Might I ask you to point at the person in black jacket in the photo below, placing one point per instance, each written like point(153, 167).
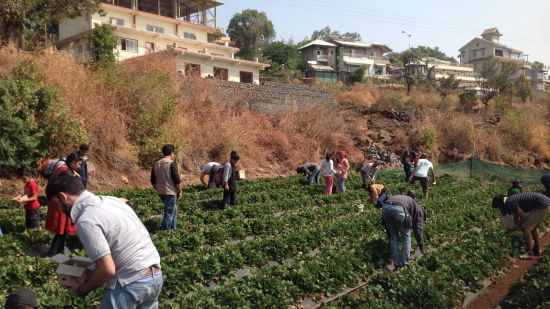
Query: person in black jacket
point(230, 176)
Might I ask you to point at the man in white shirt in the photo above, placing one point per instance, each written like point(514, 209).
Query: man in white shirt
point(420, 173)
point(210, 169)
point(126, 260)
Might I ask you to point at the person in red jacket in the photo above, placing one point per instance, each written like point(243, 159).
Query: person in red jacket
point(57, 221)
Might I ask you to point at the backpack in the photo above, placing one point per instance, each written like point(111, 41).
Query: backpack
point(50, 167)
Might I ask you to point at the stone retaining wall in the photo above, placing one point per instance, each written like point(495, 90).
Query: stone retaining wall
point(270, 97)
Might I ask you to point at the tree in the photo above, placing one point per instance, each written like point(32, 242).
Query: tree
point(216, 35)
point(282, 53)
point(358, 75)
point(250, 30)
point(284, 59)
point(326, 34)
point(18, 15)
point(447, 86)
point(419, 53)
point(103, 45)
point(34, 123)
point(494, 77)
point(523, 88)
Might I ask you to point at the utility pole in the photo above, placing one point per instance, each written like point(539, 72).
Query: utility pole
point(409, 35)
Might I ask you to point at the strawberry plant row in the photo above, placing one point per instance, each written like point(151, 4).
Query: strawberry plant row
point(533, 291)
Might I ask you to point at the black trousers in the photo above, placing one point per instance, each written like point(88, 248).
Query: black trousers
point(59, 241)
point(229, 198)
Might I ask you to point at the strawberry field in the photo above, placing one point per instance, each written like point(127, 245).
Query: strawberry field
point(285, 244)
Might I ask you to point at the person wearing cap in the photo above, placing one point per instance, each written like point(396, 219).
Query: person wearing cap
point(126, 260)
point(83, 170)
point(166, 181)
point(529, 210)
point(342, 171)
point(311, 171)
point(22, 298)
point(517, 187)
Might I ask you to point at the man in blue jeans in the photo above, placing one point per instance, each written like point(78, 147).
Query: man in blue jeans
point(395, 211)
point(126, 260)
point(166, 180)
point(311, 170)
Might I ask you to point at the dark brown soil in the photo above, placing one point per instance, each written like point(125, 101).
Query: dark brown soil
point(494, 293)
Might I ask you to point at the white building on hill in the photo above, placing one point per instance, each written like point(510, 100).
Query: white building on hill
point(147, 26)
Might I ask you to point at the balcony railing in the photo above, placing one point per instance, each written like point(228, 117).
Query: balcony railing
point(367, 56)
point(322, 58)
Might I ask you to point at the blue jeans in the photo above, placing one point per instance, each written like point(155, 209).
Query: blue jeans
point(142, 293)
point(394, 216)
point(341, 183)
point(169, 219)
point(314, 176)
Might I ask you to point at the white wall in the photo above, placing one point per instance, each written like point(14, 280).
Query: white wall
point(207, 67)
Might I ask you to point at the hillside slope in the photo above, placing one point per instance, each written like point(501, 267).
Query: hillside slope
point(128, 112)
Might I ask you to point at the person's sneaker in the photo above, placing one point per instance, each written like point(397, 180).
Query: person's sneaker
point(526, 256)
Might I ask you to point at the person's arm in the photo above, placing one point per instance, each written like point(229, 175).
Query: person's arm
point(104, 270)
point(331, 164)
point(153, 177)
point(346, 165)
point(226, 172)
point(174, 174)
point(203, 175)
point(519, 217)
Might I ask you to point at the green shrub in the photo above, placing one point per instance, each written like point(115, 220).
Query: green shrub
point(34, 123)
point(103, 45)
point(468, 99)
point(429, 138)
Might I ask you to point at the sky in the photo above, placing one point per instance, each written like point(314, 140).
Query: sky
point(524, 25)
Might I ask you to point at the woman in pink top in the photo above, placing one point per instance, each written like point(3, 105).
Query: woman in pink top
point(342, 169)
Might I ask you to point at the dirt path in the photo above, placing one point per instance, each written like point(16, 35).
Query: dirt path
point(494, 293)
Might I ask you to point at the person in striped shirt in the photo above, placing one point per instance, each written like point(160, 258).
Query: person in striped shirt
point(529, 210)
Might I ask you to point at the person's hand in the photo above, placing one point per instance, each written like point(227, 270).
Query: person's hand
point(424, 251)
point(179, 195)
point(226, 187)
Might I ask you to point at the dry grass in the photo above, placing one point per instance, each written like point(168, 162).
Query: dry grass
point(206, 130)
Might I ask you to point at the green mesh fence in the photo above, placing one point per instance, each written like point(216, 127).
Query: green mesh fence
point(476, 168)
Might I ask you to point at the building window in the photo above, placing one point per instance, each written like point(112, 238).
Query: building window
point(499, 52)
point(475, 54)
point(149, 47)
point(192, 69)
point(117, 21)
point(246, 77)
point(483, 53)
point(79, 49)
point(129, 45)
point(221, 73)
point(189, 35)
point(153, 28)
